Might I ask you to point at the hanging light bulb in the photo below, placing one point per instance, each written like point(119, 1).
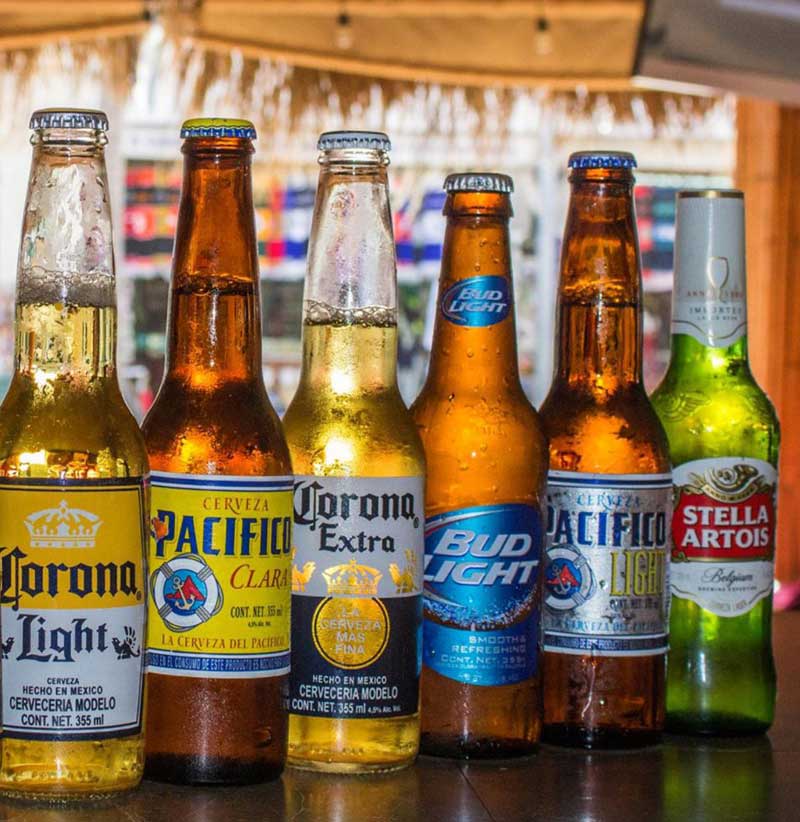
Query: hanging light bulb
point(344, 32)
point(543, 39)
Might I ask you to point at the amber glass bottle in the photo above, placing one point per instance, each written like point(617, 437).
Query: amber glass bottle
point(487, 470)
point(609, 489)
point(218, 633)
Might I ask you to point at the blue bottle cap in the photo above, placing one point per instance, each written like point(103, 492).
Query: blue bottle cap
point(601, 159)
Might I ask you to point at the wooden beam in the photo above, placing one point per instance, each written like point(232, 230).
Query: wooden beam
point(768, 171)
point(486, 9)
point(467, 76)
point(95, 31)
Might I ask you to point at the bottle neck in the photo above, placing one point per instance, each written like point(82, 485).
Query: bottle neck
point(474, 339)
point(350, 299)
point(599, 302)
point(66, 304)
point(709, 295)
point(214, 325)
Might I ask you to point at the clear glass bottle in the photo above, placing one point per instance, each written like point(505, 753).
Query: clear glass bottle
point(73, 504)
point(359, 497)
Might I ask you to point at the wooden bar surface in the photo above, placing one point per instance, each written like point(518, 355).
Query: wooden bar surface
point(684, 779)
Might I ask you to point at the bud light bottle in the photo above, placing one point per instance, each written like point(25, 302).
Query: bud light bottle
point(487, 466)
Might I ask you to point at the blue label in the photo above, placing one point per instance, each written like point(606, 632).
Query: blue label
point(477, 301)
point(481, 615)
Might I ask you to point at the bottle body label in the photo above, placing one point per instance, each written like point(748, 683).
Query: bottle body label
point(723, 533)
point(72, 608)
point(357, 596)
point(606, 568)
point(220, 560)
point(477, 302)
point(481, 611)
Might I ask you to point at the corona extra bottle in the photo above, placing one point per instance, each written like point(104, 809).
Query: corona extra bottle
point(487, 472)
point(723, 437)
point(73, 513)
point(358, 499)
point(609, 489)
point(218, 630)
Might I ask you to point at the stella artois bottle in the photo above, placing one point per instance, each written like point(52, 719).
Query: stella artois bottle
point(723, 437)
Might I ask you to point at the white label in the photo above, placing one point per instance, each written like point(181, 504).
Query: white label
point(605, 580)
point(357, 596)
point(46, 694)
point(723, 533)
point(709, 304)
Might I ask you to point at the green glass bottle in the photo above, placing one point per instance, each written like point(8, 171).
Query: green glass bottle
point(723, 436)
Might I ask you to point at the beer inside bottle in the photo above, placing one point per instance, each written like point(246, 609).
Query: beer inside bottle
point(73, 502)
point(487, 468)
point(218, 630)
point(723, 436)
point(609, 489)
point(359, 468)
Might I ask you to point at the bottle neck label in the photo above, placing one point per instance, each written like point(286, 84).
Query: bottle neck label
point(723, 533)
point(606, 549)
point(710, 303)
point(481, 611)
point(477, 302)
point(220, 554)
point(356, 596)
point(73, 608)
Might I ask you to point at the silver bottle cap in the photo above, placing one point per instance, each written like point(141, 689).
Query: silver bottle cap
point(333, 140)
point(69, 118)
point(479, 181)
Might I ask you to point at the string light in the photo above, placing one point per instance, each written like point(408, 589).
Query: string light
point(344, 32)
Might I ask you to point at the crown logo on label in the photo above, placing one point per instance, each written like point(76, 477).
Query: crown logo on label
point(63, 527)
point(352, 578)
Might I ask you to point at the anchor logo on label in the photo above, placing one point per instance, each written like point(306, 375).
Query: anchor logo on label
point(568, 580)
point(186, 592)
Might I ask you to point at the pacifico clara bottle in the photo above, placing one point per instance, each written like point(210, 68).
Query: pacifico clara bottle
point(218, 632)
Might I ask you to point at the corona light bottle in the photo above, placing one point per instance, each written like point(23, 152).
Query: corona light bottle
point(73, 470)
point(485, 490)
point(218, 630)
point(609, 489)
point(723, 437)
point(358, 498)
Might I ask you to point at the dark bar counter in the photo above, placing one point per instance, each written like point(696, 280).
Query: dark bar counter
point(684, 779)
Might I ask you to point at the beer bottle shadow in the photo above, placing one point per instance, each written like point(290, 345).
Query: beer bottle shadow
point(717, 779)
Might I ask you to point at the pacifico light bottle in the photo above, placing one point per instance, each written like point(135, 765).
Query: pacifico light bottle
point(723, 436)
point(487, 470)
point(220, 548)
point(359, 496)
point(73, 472)
point(609, 489)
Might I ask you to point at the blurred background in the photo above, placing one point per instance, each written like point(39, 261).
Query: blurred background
point(704, 92)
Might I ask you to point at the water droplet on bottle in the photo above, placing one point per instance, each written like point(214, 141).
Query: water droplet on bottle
point(477, 266)
point(470, 352)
